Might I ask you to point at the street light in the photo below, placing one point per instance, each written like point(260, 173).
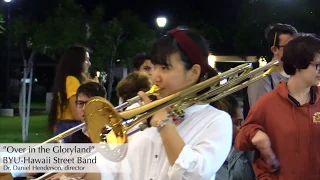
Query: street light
point(7, 0)
point(212, 60)
point(161, 21)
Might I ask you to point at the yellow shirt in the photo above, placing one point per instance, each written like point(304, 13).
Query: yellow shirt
point(72, 85)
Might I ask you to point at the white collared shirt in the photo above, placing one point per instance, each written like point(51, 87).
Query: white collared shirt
point(207, 133)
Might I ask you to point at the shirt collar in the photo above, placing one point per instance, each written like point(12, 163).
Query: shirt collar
point(194, 108)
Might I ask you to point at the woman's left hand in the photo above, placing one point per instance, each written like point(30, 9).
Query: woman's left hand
point(159, 115)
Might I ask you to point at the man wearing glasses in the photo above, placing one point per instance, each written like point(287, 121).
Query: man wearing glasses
point(277, 35)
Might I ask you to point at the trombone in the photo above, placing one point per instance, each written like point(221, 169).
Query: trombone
point(107, 126)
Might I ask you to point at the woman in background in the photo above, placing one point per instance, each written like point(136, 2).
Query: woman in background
point(70, 73)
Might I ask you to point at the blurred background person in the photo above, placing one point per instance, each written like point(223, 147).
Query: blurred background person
point(238, 163)
point(142, 63)
point(70, 71)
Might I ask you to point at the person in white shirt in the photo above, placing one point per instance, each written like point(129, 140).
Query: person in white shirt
point(192, 147)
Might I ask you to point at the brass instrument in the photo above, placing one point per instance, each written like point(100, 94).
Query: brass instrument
point(6, 176)
point(59, 138)
point(106, 126)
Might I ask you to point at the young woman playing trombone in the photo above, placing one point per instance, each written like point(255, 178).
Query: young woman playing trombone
point(190, 147)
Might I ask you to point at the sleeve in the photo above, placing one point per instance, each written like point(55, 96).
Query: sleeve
point(257, 89)
point(202, 160)
point(252, 124)
point(72, 85)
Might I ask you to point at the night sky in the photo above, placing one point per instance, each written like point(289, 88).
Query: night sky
point(214, 12)
point(221, 14)
point(218, 13)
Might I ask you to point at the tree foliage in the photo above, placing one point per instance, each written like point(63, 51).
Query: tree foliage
point(139, 37)
point(105, 38)
point(256, 15)
point(61, 29)
point(211, 33)
point(118, 38)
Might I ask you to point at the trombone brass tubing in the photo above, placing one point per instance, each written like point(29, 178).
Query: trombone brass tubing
point(220, 88)
point(106, 126)
point(47, 175)
point(241, 86)
point(114, 119)
point(232, 83)
point(67, 133)
point(101, 117)
point(71, 131)
point(154, 90)
point(170, 100)
point(174, 98)
point(59, 137)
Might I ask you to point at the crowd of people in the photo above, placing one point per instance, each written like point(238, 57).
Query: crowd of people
point(274, 137)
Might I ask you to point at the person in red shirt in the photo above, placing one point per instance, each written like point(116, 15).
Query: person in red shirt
point(283, 126)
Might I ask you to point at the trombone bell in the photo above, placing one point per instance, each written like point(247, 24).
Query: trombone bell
point(105, 124)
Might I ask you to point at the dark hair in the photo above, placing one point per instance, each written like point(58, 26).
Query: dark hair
point(139, 59)
point(279, 29)
point(91, 89)
point(299, 52)
point(167, 46)
point(70, 64)
point(132, 84)
point(228, 104)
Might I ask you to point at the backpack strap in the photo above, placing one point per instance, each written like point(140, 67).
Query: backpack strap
point(271, 81)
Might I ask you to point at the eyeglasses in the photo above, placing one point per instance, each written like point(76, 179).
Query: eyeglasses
point(80, 104)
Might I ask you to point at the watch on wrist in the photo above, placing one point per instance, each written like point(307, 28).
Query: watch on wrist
point(162, 123)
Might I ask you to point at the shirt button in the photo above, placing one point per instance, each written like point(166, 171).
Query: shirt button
point(156, 156)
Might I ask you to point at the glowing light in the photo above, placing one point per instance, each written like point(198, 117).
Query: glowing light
point(212, 60)
point(161, 21)
point(262, 62)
